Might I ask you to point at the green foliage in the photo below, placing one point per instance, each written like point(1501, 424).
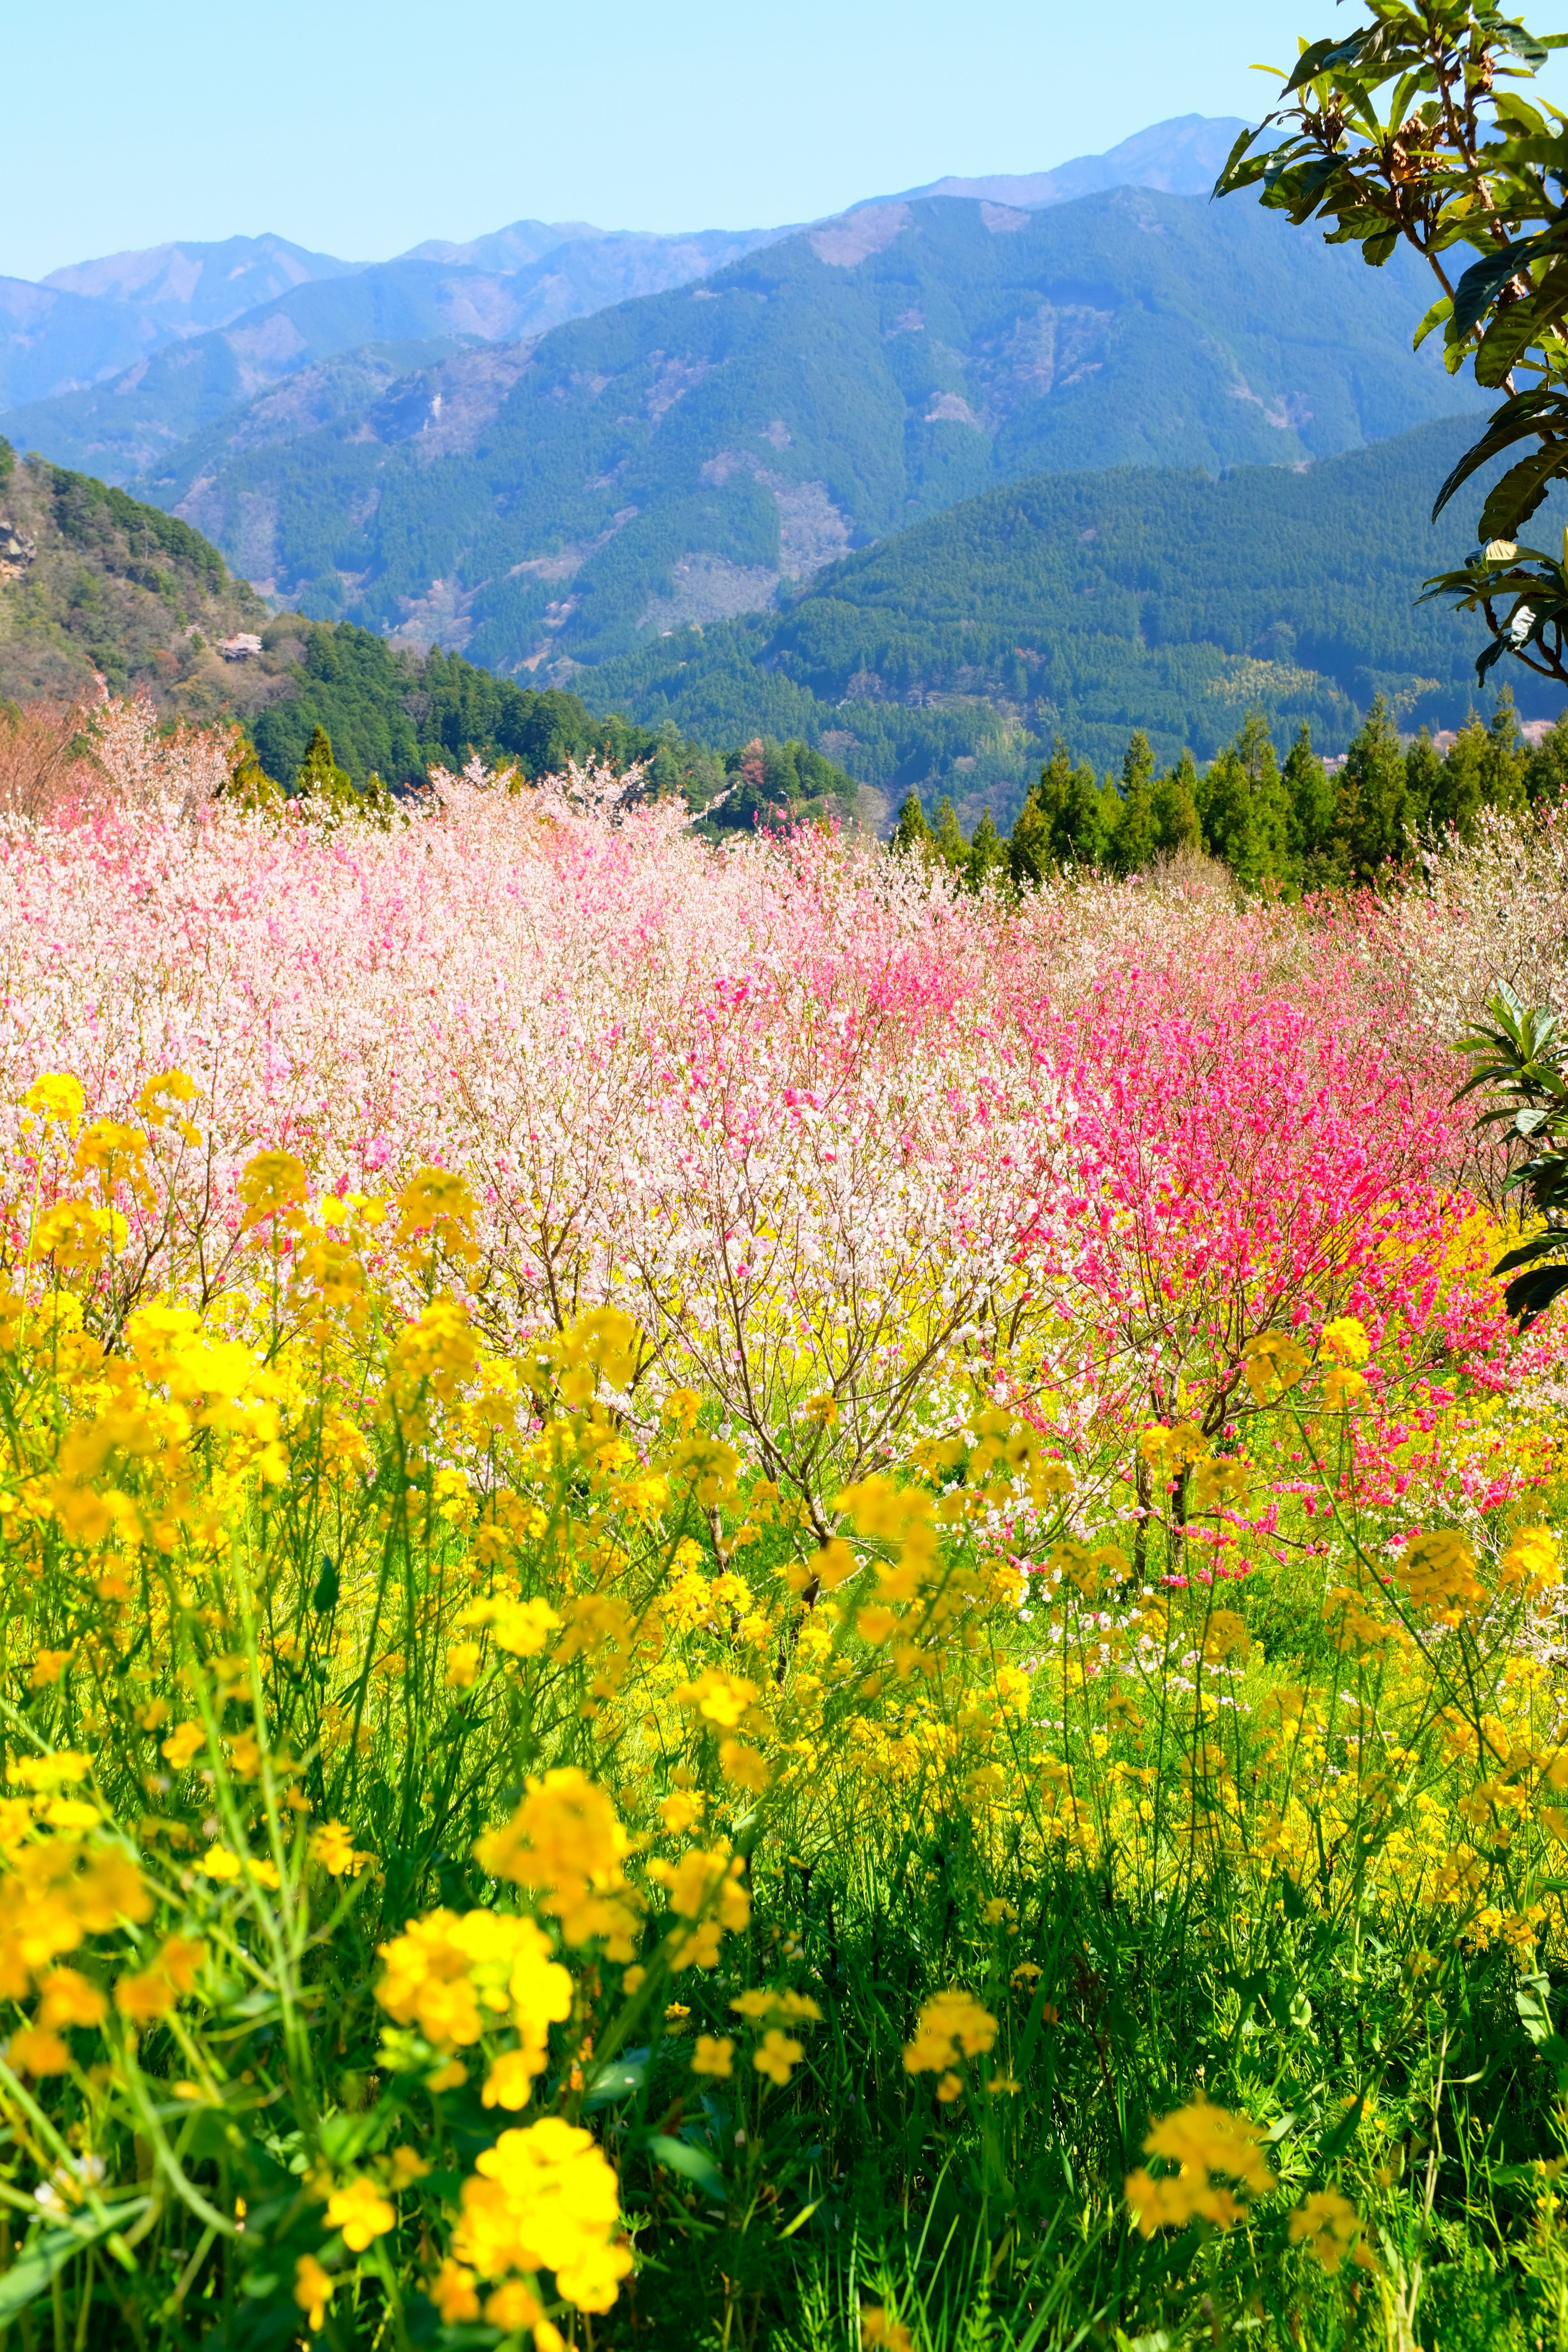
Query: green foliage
point(1372, 827)
point(1546, 769)
point(1290, 829)
point(911, 831)
point(250, 786)
point(769, 783)
point(1177, 825)
point(949, 840)
point(1520, 1058)
point(330, 789)
point(1087, 605)
point(987, 853)
point(1029, 853)
point(1135, 835)
point(116, 590)
point(1404, 133)
point(395, 714)
point(7, 461)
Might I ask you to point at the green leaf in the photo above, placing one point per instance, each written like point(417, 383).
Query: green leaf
point(38, 2265)
point(1343, 2132)
point(1442, 308)
point(1529, 1296)
point(1527, 415)
point(1522, 488)
point(1482, 282)
point(1240, 169)
point(1530, 1998)
point(619, 2080)
point(691, 2161)
point(1324, 56)
point(1511, 333)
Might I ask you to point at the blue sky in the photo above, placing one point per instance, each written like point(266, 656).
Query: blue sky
point(361, 129)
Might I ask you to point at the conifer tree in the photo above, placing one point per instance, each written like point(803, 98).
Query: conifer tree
point(249, 786)
point(1546, 769)
point(319, 778)
point(1423, 781)
point(1457, 794)
point(1135, 838)
point(911, 831)
point(1137, 763)
point(1029, 858)
point(1177, 825)
point(376, 800)
point(1308, 812)
point(1504, 760)
point(1082, 827)
point(1270, 813)
point(1066, 821)
point(1372, 818)
point(1225, 805)
point(951, 846)
point(987, 852)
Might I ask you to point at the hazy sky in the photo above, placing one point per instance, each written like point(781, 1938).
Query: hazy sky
point(359, 130)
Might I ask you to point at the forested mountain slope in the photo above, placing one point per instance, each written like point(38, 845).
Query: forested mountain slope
point(680, 458)
point(412, 312)
point(94, 585)
point(92, 320)
point(98, 591)
point(949, 656)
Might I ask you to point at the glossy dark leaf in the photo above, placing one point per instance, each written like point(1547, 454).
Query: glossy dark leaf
point(1511, 334)
point(1522, 488)
point(1519, 419)
point(1529, 1296)
point(1482, 282)
point(691, 2161)
point(1325, 56)
point(1240, 169)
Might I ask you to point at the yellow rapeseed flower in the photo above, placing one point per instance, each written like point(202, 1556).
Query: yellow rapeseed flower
point(778, 2056)
point(950, 2023)
point(313, 2291)
point(1344, 1339)
point(1210, 2147)
point(359, 2210)
point(1329, 2224)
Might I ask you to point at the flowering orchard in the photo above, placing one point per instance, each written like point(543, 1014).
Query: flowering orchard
point(750, 1603)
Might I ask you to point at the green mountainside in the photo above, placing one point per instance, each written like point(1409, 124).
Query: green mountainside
point(951, 654)
point(396, 714)
point(688, 456)
point(92, 582)
point(94, 585)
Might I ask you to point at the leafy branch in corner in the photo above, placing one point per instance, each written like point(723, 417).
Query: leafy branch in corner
point(1407, 132)
point(1521, 1057)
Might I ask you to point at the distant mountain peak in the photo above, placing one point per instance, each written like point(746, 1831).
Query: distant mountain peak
point(1180, 158)
point(512, 248)
point(186, 287)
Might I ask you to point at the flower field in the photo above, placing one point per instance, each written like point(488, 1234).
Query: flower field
point(748, 1602)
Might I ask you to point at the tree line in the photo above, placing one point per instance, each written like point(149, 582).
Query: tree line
point(1298, 825)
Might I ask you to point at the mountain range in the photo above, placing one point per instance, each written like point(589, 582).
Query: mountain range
point(762, 481)
point(84, 324)
point(546, 505)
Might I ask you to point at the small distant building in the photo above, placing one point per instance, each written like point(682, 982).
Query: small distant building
point(241, 648)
